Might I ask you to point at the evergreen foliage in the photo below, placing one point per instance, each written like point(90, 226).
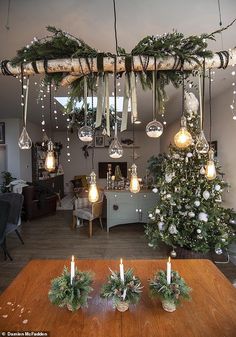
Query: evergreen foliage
point(190, 212)
point(75, 295)
point(115, 289)
point(173, 292)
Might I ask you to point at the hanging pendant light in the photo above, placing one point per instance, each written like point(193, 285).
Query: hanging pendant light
point(210, 166)
point(134, 182)
point(202, 145)
point(50, 161)
point(183, 138)
point(154, 129)
point(93, 194)
point(85, 133)
point(115, 149)
point(25, 142)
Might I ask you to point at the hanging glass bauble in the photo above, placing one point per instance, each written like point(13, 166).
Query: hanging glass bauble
point(154, 129)
point(85, 133)
point(25, 143)
point(183, 138)
point(202, 145)
point(115, 149)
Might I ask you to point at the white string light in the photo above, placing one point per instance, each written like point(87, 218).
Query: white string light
point(232, 105)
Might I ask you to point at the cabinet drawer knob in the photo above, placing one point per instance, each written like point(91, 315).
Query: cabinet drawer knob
point(115, 207)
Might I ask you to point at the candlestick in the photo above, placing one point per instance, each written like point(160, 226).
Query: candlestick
point(72, 269)
point(122, 274)
point(168, 272)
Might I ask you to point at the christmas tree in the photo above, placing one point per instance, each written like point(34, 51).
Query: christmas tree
point(189, 213)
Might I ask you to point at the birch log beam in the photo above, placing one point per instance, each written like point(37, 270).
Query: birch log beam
point(75, 68)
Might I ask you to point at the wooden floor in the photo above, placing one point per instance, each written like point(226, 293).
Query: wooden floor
point(52, 238)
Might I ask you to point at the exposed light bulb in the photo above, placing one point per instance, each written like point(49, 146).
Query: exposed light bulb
point(154, 129)
point(50, 162)
point(210, 167)
point(183, 138)
point(202, 145)
point(25, 142)
point(93, 194)
point(134, 182)
point(85, 133)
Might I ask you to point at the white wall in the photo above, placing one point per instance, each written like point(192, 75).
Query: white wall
point(79, 165)
point(18, 162)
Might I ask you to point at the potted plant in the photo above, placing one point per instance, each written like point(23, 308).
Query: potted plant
point(73, 295)
point(170, 294)
point(122, 293)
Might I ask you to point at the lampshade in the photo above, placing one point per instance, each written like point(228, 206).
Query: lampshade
point(210, 167)
point(183, 138)
point(50, 162)
point(154, 129)
point(85, 133)
point(93, 194)
point(25, 143)
point(134, 183)
point(202, 145)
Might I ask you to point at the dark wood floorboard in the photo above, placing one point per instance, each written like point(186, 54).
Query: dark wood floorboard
point(52, 237)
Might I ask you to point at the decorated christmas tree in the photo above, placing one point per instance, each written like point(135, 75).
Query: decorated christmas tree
point(190, 212)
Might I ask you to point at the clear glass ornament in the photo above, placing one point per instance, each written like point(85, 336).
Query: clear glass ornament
point(50, 162)
point(154, 129)
point(210, 167)
point(93, 194)
point(85, 133)
point(25, 143)
point(183, 138)
point(134, 186)
point(202, 145)
point(115, 149)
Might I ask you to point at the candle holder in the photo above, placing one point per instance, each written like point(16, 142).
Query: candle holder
point(122, 293)
point(170, 294)
point(73, 295)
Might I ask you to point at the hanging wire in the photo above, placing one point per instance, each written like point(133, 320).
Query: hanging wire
point(210, 111)
point(220, 24)
point(154, 90)
point(93, 120)
point(133, 142)
point(22, 95)
point(50, 109)
point(7, 25)
point(183, 95)
point(203, 91)
point(115, 26)
point(115, 90)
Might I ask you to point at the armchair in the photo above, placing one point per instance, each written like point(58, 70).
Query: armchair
point(85, 210)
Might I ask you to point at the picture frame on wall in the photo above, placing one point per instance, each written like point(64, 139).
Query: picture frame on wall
point(99, 141)
point(213, 145)
point(2, 133)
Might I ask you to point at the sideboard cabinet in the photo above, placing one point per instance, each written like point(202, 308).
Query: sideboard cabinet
point(126, 207)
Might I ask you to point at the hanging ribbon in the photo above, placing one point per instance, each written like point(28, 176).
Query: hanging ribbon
point(26, 101)
point(107, 104)
point(124, 120)
point(134, 110)
point(100, 100)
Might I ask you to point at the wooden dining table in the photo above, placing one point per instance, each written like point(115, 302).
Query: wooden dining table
point(24, 305)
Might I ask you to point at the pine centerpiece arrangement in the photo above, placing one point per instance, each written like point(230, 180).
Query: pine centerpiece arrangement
point(122, 289)
point(72, 293)
point(171, 292)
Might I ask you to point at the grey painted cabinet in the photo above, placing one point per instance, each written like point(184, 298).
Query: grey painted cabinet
point(126, 207)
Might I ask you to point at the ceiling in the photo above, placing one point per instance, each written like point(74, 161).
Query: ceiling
point(92, 21)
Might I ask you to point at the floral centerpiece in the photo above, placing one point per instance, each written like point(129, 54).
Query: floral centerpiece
point(73, 294)
point(122, 292)
point(169, 293)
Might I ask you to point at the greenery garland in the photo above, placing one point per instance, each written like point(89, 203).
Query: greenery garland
point(64, 45)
